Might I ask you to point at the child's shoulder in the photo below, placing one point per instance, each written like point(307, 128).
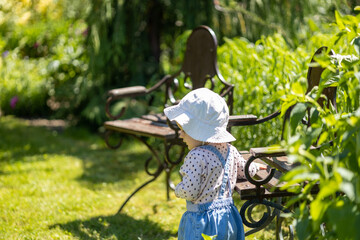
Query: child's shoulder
point(233, 148)
point(197, 154)
point(213, 147)
point(204, 151)
point(201, 152)
point(198, 150)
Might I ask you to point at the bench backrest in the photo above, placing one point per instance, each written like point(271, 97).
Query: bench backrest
point(200, 66)
point(313, 79)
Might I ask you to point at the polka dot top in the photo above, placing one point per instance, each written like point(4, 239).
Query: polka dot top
point(202, 173)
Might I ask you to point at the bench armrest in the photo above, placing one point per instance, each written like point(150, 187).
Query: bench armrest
point(267, 152)
point(241, 120)
point(119, 93)
point(126, 92)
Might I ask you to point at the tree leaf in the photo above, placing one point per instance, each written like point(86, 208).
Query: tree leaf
point(343, 216)
point(348, 189)
point(317, 211)
point(303, 228)
point(298, 88)
point(323, 137)
point(297, 114)
point(206, 237)
point(328, 188)
point(339, 20)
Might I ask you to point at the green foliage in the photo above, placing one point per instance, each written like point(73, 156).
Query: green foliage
point(251, 79)
point(295, 21)
point(262, 73)
point(129, 42)
point(132, 42)
point(206, 237)
point(335, 167)
point(43, 64)
point(22, 80)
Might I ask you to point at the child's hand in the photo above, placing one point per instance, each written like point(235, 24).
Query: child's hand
point(262, 166)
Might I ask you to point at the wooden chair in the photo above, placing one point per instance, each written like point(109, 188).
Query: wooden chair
point(199, 69)
point(265, 184)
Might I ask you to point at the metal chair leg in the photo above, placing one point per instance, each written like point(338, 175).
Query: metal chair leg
point(161, 165)
point(139, 188)
point(164, 163)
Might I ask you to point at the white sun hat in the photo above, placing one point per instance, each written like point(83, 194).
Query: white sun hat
point(203, 115)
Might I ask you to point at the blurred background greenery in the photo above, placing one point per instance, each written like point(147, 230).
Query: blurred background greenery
point(59, 58)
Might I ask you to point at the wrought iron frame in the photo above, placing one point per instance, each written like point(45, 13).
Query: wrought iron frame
point(163, 164)
point(246, 211)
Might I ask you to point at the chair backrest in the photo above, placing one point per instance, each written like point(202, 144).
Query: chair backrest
point(313, 79)
point(314, 76)
point(200, 66)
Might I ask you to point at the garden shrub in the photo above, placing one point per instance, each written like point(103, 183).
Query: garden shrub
point(34, 76)
point(263, 72)
point(334, 211)
point(84, 60)
point(43, 59)
point(23, 84)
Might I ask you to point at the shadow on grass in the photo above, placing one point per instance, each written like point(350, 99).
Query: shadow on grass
point(118, 226)
point(23, 143)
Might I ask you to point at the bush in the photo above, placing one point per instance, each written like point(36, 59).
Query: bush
point(43, 75)
point(43, 59)
point(24, 86)
point(333, 212)
point(263, 72)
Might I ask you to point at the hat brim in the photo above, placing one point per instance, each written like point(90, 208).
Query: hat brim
point(176, 113)
point(196, 129)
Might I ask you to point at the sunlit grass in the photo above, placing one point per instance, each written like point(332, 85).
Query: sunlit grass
point(69, 185)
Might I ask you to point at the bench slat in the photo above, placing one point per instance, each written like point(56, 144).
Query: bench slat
point(267, 152)
point(143, 127)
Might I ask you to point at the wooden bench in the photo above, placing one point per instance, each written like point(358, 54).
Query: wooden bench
point(199, 69)
point(265, 186)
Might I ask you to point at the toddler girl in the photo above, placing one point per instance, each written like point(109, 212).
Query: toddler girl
point(210, 169)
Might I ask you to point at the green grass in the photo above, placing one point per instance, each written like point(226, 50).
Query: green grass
point(68, 185)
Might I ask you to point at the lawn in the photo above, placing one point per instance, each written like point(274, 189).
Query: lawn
point(66, 184)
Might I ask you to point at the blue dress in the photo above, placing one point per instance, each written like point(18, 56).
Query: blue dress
point(219, 217)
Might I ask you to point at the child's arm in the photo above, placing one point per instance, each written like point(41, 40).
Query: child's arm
point(189, 187)
point(241, 162)
point(262, 166)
